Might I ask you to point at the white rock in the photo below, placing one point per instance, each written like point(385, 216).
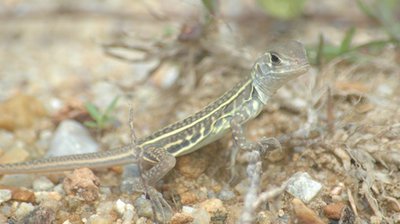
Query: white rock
point(70, 138)
point(5, 195)
point(188, 209)
point(18, 180)
point(120, 206)
point(24, 209)
point(42, 184)
point(303, 187)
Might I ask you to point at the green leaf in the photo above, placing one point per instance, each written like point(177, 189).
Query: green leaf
point(346, 42)
point(93, 111)
point(90, 124)
point(366, 9)
point(283, 9)
point(111, 106)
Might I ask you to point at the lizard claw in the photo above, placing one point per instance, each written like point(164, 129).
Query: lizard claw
point(268, 145)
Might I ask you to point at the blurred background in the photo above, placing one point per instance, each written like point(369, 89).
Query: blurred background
point(90, 61)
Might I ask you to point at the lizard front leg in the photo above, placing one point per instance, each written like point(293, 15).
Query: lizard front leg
point(240, 142)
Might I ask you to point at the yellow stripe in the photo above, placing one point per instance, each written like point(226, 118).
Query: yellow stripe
point(201, 119)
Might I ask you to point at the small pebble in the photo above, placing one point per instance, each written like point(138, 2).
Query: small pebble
point(97, 219)
point(127, 211)
point(120, 206)
point(21, 194)
point(24, 209)
point(200, 215)
point(42, 184)
point(17, 180)
point(165, 75)
point(334, 210)
point(215, 209)
point(302, 186)
point(40, 215)
point(7, 139)
point(5, 195)
point(71, 137)
point(143, 207)
point(188, 197)
point(44, 196)
point(129, 214)
point(105, 208)
point(14, 155)
point(181, 218)
point(59, 188)
point(303, 214)
point(20, 111)
point(83, 183)
point(187, 209)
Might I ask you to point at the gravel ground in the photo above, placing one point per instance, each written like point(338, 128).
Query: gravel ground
point(339, 125)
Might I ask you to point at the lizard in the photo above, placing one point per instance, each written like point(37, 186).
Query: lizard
point(279, 64)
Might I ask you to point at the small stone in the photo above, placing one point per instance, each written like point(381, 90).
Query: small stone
point(70, 138)
point(41, 215)
point(334, 210)
point(216, 210)
point(200, 215)
point(14, 155)
point(304, 215)
point(127, 211)
point(302, 186)
point(181, 218)
point(83, 183)
point(20, 111)
point(120, 206)
point(98, 219)
point(42, 184)
point(5, 195)
point(24, 209)
point(129, 214)
point(192, 166)
point(188, 198)
point(20, 194)
point(143, 207)
point(7, 139)
point(165, 75)
point(17, 180)
point(187, 209)
point(44, 196)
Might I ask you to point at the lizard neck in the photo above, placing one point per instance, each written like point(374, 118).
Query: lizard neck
point(265, 85)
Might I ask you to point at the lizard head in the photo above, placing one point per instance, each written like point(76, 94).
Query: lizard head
point(279, 64)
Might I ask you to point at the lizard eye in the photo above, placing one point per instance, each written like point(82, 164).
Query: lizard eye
point(275, 59)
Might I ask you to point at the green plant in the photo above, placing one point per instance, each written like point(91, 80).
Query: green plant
point(100, 120)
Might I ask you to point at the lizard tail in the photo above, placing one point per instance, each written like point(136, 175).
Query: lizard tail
point(114, 157)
